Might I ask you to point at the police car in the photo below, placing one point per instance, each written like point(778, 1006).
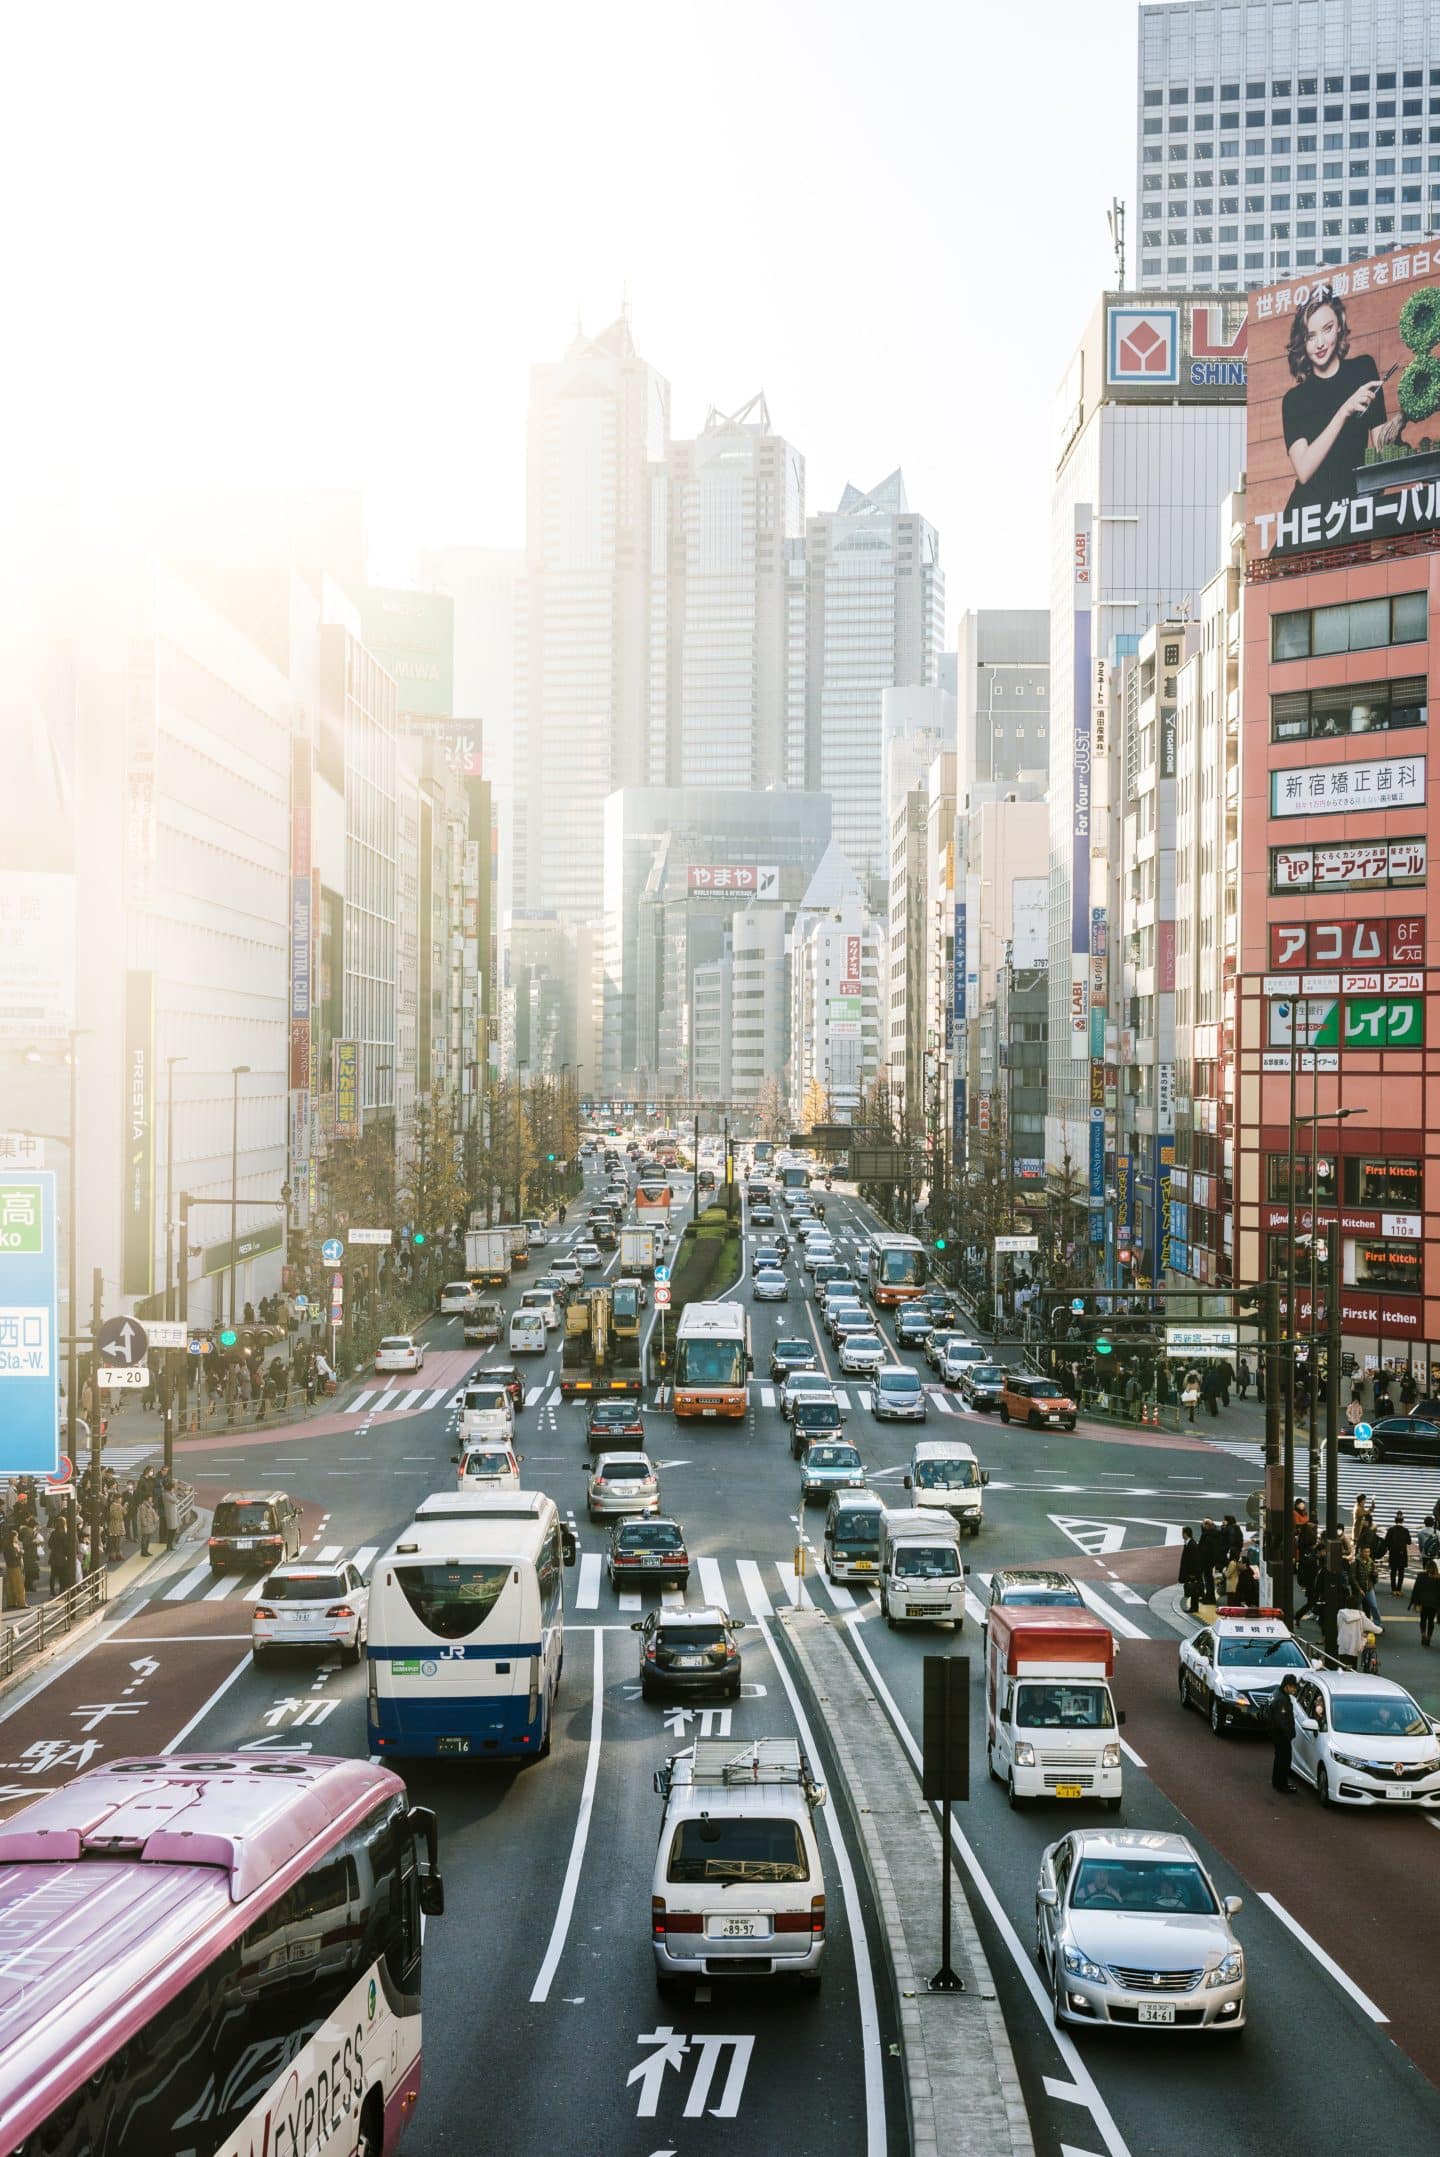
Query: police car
point(1231, 1670)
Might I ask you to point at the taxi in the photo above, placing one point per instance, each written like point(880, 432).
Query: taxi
point(1232, 1670)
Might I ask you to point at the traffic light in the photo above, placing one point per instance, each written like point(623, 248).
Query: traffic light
point(939, 1243)
point(550, 1157)
point(419, 1236)
point(1104, 1346)
point(229, 1337)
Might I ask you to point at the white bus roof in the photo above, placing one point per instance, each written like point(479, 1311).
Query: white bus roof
point(724, 1320)
point(453, 1524)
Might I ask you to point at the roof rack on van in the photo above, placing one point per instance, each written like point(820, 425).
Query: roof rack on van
point(719, 1763)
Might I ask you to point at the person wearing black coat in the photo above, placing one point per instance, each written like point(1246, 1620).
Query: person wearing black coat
point(1190, 1569)
point(1397, 1550)
point(1282, 1734)
point(1425, 1597)
point(1212, 1556)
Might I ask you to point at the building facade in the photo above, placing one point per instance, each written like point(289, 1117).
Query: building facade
point(1002, 668)
point(836, 949)
point(1275, 139)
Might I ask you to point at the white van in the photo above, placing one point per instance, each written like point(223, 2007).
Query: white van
point(457, 1296)
point(542, 1300)
point(487, 1415)
point(738, 1888)
point(537, 1232)
point(922, 1579)
point(527, 1333)
point(945, 1477)
point(487, 1467)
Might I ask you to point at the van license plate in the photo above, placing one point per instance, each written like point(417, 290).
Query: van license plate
point(739, 1928)
point(1155, 2011)
point(452, 1745)
point(1068, 1790)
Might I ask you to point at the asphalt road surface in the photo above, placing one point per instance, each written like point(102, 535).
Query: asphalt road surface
point(541, 2010)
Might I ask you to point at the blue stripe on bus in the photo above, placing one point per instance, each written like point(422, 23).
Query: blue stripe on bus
point(504, 1651)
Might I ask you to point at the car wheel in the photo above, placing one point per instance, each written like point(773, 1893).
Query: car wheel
point(1322, 1786)
point(1004, 1413)
point(1184, 1687)
point(1056, 2008)
point(1112, 1804)
point(667, 1987)
point(1068, 1423)
point(1377, 1454)
point(808, 1981)
point(355, 1650)
point(1016, 1801)
point(259, 1655)
point(1219, 1720)
point(1033, 1420)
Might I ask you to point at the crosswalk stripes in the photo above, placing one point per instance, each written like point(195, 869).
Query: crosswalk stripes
point(760, 1603)
point(941, 1400)
point(386, 1400)
point(712, 1585)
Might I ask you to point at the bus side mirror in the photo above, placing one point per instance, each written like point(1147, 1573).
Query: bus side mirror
point(984, 1475)
point(424, 1827)
point(1119, 1715)
point(568, 1544)
point(908, 1484)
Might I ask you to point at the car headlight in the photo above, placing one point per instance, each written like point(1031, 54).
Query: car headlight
point(1110, 1757)
point(1228, 1972)
point(1349, 1760)
point(1079, 1965)
point(1024, 1755)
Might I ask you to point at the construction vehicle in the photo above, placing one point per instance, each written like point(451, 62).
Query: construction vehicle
point(601, 1348)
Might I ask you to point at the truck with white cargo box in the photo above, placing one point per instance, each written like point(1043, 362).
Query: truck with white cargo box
point(922, 1576)
point(519, 1236)
point(487, 1256)
point(637, 1252)
point(1051, 1726)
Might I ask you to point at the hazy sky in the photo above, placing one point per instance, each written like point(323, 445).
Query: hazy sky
point(315, 243)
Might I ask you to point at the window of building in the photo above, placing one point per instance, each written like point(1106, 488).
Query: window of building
point(1152, 97)
point(1150, 127)
point(1360, 626)
point(1277, 1174)
point(1383, 1264)
point(1372, 1181)
point(1283, 1254)
point(1355, 708)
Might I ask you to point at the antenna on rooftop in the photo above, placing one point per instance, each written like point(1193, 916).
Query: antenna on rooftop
point(1115, 218)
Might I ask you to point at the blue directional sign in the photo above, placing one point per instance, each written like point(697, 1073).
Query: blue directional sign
point(1364, 1431)
point(662, 1274)
point(332, 1250)
point(1077, 1305)
point(29, 1325)
point(301, 1303)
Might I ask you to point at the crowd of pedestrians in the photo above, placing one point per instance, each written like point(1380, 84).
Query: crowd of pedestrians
point(47, 1533)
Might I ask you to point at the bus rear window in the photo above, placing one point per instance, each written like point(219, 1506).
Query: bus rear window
point(737, 1850)
point(452, 1600)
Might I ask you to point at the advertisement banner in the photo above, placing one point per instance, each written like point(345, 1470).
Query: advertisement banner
point(1331, 868)
point(955, 1022)
point(138, 1204)
point(843, 1007)
point(1165, 957)
point(732, 877)
point(1389, 942)
point(347, 1088)
point(412, 634)
point(300, 947)
point(1165, 1094)
point(1341, 419)
point(1082, 604)
point(1099, 984)
point(851, 983)
point(1097, 1157)
point(30, 1344)
point(1349, 789)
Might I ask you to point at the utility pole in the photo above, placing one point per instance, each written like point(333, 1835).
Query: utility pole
point(97, 1320)
point(1332, 1381)
point(237, 1072)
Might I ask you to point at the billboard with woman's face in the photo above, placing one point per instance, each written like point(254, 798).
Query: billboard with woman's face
point(1344, 410)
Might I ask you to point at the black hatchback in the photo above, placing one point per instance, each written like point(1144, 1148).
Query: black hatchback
point(913, 1325)
point(684, 1651)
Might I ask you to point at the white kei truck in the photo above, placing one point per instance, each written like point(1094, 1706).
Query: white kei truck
point(922, 1576)
point(1052, 1729)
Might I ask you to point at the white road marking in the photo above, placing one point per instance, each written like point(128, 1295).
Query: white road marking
point(712, 1584)
point(359, 1401)
point(842, 1396)
point(767, 1396)
point(837, 1591)
point(1131, 1754)
point(587, 1595)
point(760, 1603)
point(942, 1401)
point(173, 1745)
point(435, 1396)
point(1069, 2051)
point(225, 1585)
point(1096, 1538)
point(329, 1554)
point(1065, 2091)
point(365, 1557)
point(1361, 1999)
point(1126, 1594)
point(792, 1588)
point(540, 1990)
point(629, 1600)
point(1116, 1620)
point(532, 1395)
point(186, 1582)
point(672, 1598)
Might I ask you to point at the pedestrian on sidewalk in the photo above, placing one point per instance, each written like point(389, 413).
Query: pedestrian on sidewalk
point(1244, 1378)
point(1189, 1574)
point(1425, 1597)
point(146, 1522)
point(1429, 1543)
point(114, 1529)
point(1351, 1626)
point(1358, 1512)
point(1190, 1392)
point(12, 1562)
point(1212, 1558)
point(1365, 1578)
point(1247, 1585)
point(61, 1545)
point(1398, 1540)
point(1213, 1388)
point(1409, 1391)
point(1282, 1734)
point(170, 1510)
point(30, 1549)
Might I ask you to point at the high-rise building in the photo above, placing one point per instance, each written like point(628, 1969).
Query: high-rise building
point(735, 604)
point(836, 964)
point(1148, 452)
point(875, 619)
point(1002, 731)
point(591, 692)
point(1274, 138)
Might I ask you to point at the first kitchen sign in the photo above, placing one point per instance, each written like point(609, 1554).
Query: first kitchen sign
point(29, 1325)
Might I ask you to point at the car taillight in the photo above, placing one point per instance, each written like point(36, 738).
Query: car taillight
point(730, 1650)
point(340, 1610)
point(650, 1651)
point(663, 1921)
point(277, 1540)
point(263, 1610)
point(214, 1540)
point(626, 1557)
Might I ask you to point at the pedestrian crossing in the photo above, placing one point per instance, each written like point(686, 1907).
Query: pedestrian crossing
point(1399, 1488)
point(200, 1585)
point(398, 1400)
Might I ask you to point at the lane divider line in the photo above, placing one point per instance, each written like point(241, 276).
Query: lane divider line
point(1326, 1962)
point(540, 1990)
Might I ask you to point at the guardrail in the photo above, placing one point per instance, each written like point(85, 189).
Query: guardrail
point(26, 1635)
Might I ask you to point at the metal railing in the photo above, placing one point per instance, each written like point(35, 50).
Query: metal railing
point(26, 1634)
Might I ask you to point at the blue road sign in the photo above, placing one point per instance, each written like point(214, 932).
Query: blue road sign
point(1364, 1430)
point(1077, 1305)
point(332, 1250)
point(301, 1303)
point(29, 1325)
point(662, 1273)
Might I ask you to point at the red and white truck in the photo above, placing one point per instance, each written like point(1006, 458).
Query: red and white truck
point(1051, 1726)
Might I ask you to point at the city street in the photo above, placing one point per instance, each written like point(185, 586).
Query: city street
point(543, 1951)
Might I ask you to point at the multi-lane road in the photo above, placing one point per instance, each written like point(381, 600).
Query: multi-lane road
point(541, 2007)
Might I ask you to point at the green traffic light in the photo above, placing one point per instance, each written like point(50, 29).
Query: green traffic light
point(419, 1235)
point(549, 1156)
point(939, 1243)
point(228, 1337)
point(1104, 1347)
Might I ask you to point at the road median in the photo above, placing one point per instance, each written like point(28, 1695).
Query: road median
point(962, 2088)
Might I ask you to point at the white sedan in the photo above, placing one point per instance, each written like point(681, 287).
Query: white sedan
point(400, 1352)
point(861, 1352)
point(1363, 1741)
point(311, 1606)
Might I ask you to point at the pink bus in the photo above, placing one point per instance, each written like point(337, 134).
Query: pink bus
point(217, 1956)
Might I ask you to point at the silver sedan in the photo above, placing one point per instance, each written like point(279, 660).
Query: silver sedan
point(622, 1483)
point(1133, 1934)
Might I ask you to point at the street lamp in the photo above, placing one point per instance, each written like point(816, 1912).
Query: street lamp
point(237, 1072)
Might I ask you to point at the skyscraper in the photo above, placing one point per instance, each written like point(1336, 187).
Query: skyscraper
point(590, 705)
point(1274, 138)
point(736, 604)
point(875, 619)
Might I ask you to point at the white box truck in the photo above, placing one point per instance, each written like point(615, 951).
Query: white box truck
point(1051, 1726)
point(487, 1256)
point(637, 1252)
point(922, 1577)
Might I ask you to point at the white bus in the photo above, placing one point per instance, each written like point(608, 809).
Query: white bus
point(467, 1629)
point(897, 1268)
point(712, 1360)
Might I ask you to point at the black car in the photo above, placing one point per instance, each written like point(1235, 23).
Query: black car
point(613, 1416)
point(506, 1375)
point(1405, 1438)
point(604, 1236)
point(688, 1651)
point(913, 1327)
point(762, 1216)
point(791, 1355)
point(814, 1417)
point(980, 1385)
point(939, 1303)
point(652, 1549)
